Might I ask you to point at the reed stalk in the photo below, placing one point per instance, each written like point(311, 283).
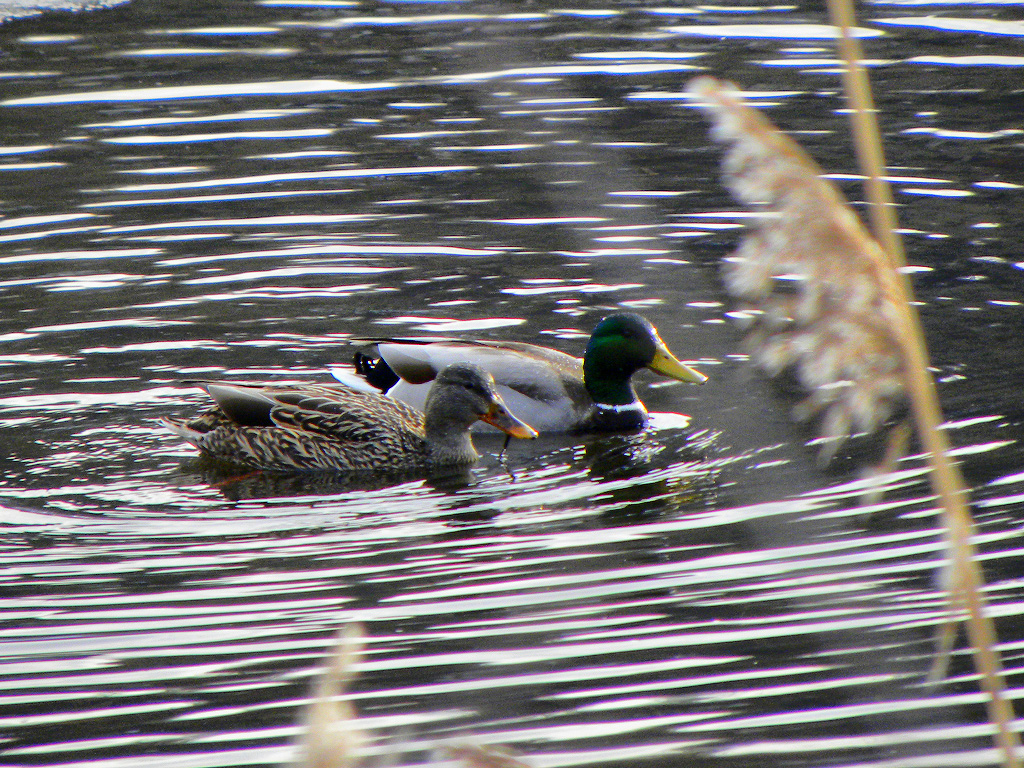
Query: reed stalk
point(829, 302)
point(966, 581)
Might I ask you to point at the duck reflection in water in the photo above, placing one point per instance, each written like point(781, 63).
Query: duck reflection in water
point(653, 472)
point(240, 484)
point(626, 477)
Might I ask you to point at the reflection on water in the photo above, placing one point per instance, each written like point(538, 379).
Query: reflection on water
point(232, 191)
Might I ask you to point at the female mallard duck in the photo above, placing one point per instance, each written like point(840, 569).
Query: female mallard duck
point(316, 426)
point(552, 391)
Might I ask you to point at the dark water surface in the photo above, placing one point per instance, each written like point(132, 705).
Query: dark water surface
point(233, 189)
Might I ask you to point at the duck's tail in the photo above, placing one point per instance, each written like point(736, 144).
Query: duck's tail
point(181, 429)
point(372, 367)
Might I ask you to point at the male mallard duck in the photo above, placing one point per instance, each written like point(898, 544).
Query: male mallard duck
point(317, 426)
point(552, 391)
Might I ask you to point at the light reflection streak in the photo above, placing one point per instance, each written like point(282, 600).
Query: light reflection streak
point(198, 138)
point(92, 325)
point(213, 198)
point(651, 55)
point(144, 53)
point(218, 31)
point(255, 221)
point(277, 178)
point(217, 91)
point(969, 61)
point(332, 250)
point(29, 166)
point(448, 325)
point(395, 21)
point(24, 236)
point(310, 3)
point(980, 26)
point(25, 150)
point(946, 133)
point(584, 288)
point(81, 255)
point(269, 274)
point(758, 98)
point(171, 171)
point(32, 221)
point(63, 401)
point(227, 117)
point(566, 70)
point(773, 31)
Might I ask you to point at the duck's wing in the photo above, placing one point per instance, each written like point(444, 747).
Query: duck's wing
point(333, 412)
point(245, 406)
point(536, 372)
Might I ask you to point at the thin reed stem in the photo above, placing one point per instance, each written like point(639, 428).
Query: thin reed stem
point(866, 135)
point(966, 580)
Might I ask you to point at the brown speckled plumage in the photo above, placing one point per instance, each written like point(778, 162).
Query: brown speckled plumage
point(317, 426)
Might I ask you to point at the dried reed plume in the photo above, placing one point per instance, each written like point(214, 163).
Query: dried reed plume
point(331, 736)
point(816, 288)
point(828, 302)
